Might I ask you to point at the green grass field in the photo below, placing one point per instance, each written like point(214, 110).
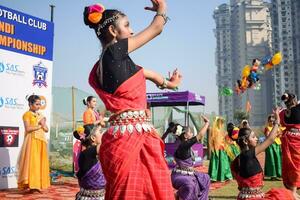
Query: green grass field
point(230, 191)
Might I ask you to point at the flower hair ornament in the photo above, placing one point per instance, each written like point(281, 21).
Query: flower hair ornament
point(107, 21)
point(179, 129)
point(286, 97)
point(235, 133)
point(28, 95)
point(95, 13)
point(80, 132)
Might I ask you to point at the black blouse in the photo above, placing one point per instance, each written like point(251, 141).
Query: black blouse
point(117, 66)
point(184, 151)
point(249, 165)
point(294, 117)
point(87, 159)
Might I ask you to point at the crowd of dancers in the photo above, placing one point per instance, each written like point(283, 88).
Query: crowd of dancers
point(125, 160)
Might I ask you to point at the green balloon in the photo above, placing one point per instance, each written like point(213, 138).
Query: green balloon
point(226, 91)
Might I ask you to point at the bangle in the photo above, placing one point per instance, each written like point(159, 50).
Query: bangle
point(163, 85)
point(166, 18)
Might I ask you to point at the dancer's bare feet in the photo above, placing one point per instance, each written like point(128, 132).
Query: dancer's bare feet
point(33, 191)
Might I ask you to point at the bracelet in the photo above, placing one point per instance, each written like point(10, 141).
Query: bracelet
point(166, 18)
point(163, 85)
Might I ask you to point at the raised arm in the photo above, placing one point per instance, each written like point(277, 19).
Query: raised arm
point(203, 130)
point(164, 136)
point(272, 135)
point(161, 82)
point(153, 30)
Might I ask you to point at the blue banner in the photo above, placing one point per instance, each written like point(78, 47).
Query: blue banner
point(26, 34)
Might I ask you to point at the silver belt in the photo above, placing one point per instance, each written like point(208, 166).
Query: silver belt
point(292, 132)
point(130, 121)
point(187, 171)
point(247, 192)
point(90, 193)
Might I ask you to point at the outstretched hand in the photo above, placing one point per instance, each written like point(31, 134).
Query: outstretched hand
point(176, 77)
point(156, 5)
point(205, 119)
point(276, 112)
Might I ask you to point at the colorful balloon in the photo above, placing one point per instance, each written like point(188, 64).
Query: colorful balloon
point(226, 91)
point(277, 58)
point(268, 66)
point(265, 60)
point(246, 71)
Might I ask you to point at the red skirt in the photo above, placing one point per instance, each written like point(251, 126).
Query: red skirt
point(134, 166)
point(290, 159)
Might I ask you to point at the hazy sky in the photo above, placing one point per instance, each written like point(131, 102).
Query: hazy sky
point(187, 41)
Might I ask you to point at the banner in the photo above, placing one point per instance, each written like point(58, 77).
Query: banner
point(26, 54)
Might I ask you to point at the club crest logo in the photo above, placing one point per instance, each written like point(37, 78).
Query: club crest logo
point(40, 75)
point(9, 136)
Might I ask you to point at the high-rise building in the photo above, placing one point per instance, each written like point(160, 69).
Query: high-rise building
point(223, 59)
point(286, 39)
point(249, 33)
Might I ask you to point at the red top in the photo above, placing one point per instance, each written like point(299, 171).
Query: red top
point(130, 95)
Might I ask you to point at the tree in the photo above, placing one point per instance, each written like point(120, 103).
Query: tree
point(240, 115)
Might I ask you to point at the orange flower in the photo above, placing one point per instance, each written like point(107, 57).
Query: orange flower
point(95, 13)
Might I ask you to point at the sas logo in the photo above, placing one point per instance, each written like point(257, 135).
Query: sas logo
point(40, 75)
point(10, 102)
point(43, 102)
point(8, 171)
point(1, 102)
point(12, 69)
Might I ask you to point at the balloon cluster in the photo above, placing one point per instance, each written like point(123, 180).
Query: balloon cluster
point(270, 61)
point(250, 75)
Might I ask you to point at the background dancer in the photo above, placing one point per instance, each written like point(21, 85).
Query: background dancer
point(247, 170)
point(191, 185)
point(90, 176)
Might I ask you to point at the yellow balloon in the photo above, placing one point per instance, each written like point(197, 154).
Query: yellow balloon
point(246, 71)
point(277, 58)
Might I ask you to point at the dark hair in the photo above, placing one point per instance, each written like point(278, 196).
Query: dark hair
point(230, 127)
point(271, 117)
point(102, 31)
point(254, 61)
point(244, 123)
point(244, 134)
point(184, 130)
point(86, 141)
point(173, 127)
point(33, 98)
point(87, 100)
point(288, 99)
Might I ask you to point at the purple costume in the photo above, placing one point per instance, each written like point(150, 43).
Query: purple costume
point(90, 177)
point(191, 185)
